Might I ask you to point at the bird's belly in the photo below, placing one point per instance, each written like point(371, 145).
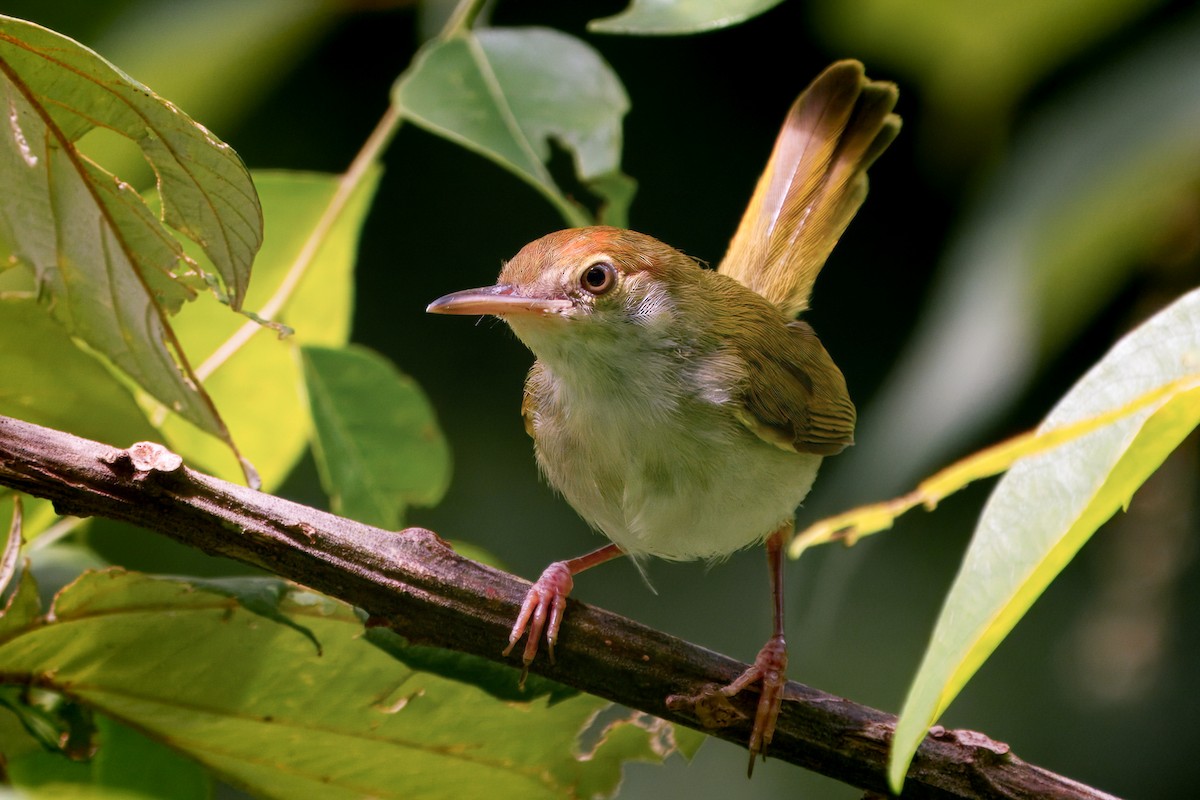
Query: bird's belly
point(683, 487)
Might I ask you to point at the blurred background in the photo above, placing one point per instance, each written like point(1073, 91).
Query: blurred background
point(1043, 198)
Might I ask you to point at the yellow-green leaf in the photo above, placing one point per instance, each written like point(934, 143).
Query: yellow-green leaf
point(258, 382)
point(251, 700)
point(107, 267)
point(1048, 505)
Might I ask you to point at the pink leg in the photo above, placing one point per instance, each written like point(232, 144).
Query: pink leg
point(770, 666)
point(546, 600)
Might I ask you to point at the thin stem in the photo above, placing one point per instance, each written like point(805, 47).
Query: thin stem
point(347, 185)
point(463, 17)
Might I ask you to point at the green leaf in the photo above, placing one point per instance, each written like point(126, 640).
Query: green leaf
point(126, 766)
point(128, 761)
point(378, 445)
point(22, 606)
point(1048, 505)
point(258, 384)
point(251, 700)
point(507, 92)
point(659, 17)
point(501, 681)
point(1088, 191)
point(49, 380)
point(107, 266)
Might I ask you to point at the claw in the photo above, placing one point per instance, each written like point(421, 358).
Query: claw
point(542, 611)
point(769, 669)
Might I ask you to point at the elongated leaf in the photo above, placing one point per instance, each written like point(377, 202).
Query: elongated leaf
point(1047, 506)
point(258, 384)
point(865, 520)
point(506, 92)
point(657, 17)
point(378, 446)
point(252, 701)
point(109, 269)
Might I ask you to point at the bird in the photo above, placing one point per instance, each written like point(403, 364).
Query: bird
point(684, 412)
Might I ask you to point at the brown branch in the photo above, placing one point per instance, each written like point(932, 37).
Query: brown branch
point(431, 595)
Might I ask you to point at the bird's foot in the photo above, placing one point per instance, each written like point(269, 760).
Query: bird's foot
point(769, 670)
point(542, 611)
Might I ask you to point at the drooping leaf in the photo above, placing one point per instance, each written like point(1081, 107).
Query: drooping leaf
point(658, 17)
point(1083, 197)
point(506, 92)
point(378, 445)
point(107, 267)
point(856, 523)
point(251, 700)
point(1048, 505)
point(258, 383)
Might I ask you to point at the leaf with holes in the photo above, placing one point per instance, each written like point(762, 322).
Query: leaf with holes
point(507, 92)
point(255, 703)
point(106, 265)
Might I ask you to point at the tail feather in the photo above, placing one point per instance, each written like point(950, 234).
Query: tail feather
point(813, 185)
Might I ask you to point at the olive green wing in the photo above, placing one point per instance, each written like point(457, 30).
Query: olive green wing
point(795, 397)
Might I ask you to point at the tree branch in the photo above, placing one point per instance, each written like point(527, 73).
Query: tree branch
point(426, 592)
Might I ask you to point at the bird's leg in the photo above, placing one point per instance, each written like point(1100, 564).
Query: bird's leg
point(546, 600)
point(770, 666)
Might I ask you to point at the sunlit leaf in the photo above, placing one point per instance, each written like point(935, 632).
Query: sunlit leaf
point(507, 92)
point(378, 445)
point(1047, 506)
point(1085, 194)
point(108, 269)
point(258, 384)
point(865, 520)
point(253, 702)
point(655, 17)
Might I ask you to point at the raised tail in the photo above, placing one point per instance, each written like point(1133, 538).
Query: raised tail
point(813, 184)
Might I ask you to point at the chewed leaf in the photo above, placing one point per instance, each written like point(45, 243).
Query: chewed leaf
point(1048, 505)
point(662, 17)
point(506, 92)
point(252, 701)
point(107, 267)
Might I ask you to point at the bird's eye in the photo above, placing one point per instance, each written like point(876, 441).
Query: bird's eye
point(599, 277)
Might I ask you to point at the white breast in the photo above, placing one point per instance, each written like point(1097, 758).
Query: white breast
point(668, 474)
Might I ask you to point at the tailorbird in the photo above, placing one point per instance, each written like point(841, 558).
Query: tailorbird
point(683, 412)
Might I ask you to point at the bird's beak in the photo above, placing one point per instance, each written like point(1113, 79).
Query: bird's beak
point(498, 300)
